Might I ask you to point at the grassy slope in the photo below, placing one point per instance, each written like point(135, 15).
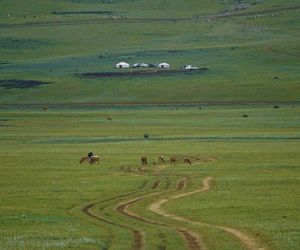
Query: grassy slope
point(43, 186)
point(244, 53)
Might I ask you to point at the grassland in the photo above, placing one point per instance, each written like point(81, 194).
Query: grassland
point(44, 188)
point(238, 122)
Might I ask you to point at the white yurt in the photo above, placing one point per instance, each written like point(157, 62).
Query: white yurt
point(164, 65)
point(122, 65)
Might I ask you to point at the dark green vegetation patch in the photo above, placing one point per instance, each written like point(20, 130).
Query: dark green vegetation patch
point(20, 84)
point(141, 73)
point(9, 43)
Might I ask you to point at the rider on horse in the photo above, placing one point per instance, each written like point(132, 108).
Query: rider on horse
point(90, 155)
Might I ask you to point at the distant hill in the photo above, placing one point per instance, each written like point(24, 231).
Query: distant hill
point(250, 49)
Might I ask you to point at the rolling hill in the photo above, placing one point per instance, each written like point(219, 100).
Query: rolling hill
point(251, 50)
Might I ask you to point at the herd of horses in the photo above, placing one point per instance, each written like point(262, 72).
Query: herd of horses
point(161, 159)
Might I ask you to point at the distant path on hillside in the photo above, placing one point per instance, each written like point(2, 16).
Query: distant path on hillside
point(146, 104)
point(224, 14)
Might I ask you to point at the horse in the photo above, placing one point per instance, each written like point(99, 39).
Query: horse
point(92, 160)
point(187, 161)
point(144, 160)
point(161, 159)
point(172, 160)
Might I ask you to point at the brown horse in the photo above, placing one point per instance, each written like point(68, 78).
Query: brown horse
point(187, 161)
point(144, 160)
point(172, 160)
point(92, 160)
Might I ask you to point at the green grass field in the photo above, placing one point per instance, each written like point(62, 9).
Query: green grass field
point(237, 122)
point(254, 162)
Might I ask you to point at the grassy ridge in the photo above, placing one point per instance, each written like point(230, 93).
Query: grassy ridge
point(252, 57)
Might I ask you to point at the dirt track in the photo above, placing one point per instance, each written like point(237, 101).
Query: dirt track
point(137, 235)
point(193, 241)
point(135, 20)
point(249, 241)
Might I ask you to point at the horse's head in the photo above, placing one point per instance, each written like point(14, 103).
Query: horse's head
point(82, 159)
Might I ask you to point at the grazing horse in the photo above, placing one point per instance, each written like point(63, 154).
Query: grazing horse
point(161, 159)
point(144, 160)
point(187, 161)
point(92, 160)
point(172, 160)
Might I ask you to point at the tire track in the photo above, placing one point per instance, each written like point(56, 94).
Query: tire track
point(248, 241)
point(195, 159)
point(138, 238)
point(156, 184)
point(137, 235)
point(181, 184)
point(127, 169)
point(192, 240)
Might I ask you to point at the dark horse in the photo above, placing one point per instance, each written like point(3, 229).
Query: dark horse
point(92, 160)
point(187, 161)
point(144, 160)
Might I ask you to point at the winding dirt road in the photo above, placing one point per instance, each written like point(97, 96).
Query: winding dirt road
point(193, 240)
point(248, 241)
